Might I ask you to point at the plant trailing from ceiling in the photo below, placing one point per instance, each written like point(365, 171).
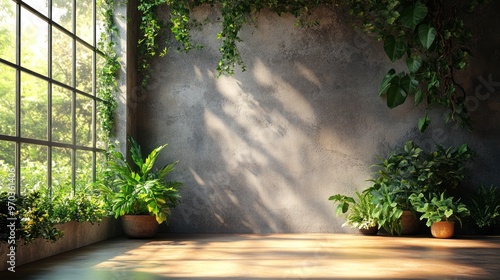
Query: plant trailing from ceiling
point(429, 36)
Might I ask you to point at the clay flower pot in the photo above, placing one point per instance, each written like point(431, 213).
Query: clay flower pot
point(409, 223)
point(443, 229)
point(369, 231)
point(139, 226)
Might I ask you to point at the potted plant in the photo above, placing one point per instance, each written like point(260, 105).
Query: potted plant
point(358, 214)
point(440, 211)
point(139, 193)
point(484, 206)
point(411, 170)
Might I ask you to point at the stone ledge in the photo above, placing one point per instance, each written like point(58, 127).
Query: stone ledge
point(76, 235)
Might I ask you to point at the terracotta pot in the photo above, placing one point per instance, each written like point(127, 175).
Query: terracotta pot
point(369, 231)
point(443, 229)
point(139, 226)
point(409, 223)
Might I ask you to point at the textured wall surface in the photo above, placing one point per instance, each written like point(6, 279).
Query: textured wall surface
point(262, 151)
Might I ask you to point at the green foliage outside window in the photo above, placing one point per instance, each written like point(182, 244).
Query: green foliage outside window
point(56, 181)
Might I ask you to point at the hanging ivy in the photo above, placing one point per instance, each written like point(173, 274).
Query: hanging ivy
point(107, 84)
point(429, 36)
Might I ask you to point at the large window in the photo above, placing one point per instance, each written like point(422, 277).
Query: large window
point(50, 138)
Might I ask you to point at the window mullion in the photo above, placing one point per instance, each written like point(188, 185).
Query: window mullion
point(49, 96)
point(18, 99)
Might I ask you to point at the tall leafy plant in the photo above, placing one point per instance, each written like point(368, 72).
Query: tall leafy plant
point(484, 206)
point(140, 188)
point(410, 169)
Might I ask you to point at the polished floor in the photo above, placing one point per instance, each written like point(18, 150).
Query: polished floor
point(274, 256)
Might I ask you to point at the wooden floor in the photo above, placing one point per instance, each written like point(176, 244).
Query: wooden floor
point(274, 256)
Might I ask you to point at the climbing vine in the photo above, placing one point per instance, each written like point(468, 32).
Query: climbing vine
point(429, 36)
point(107, 84)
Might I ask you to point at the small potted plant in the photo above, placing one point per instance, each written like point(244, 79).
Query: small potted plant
point(484, 206)
point(140, 194)
point(358, 214)
point(440, 211)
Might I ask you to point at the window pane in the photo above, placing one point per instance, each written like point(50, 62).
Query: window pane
point(100, 133)
point(84, 173)
point(34, 104)
point(84, 129)
point(84, 20)
point(83, 68)
point(34, 46)
point(7, 100)
point(62, 13)
point(100, 20)
point(33, 167)
point(62, 115)
point(101, 165)
point(62, 57)
point(39, 5)
point(61, 171)
point(8, 30)
point(99, 69)
point(7, 164)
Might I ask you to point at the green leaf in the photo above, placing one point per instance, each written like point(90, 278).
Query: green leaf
point(409, 84)
point(423, 123)
point(413, 15)
point(396, 95)
point(394, 48)
point(418, 97)
point(385, 82)
point(413, 63)
point(426, 34)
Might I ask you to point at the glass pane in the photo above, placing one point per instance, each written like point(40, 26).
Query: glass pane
point(84, 21)
point(84, 173)
point(101, 134)
point(84, 129)
point(101, 165)
point(62, 114)
point(61, 171)
point(7, 100)
point(39, 5)
point(62, 13)
point(83, 68)
point(100, 19)
point(33, 168)
point(99, 69)
point(34, 104)
point(7, 165)
point(34, 43)
point(62, 57)
point(8, 30)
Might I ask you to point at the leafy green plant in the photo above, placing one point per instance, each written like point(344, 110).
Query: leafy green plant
point(387, 211)
point(431, 38)
point(437, 207)
point(139, 189)
point(32, 218)
point(484, 206)
point(358, 214)
point(82, 207)
point(412, 170)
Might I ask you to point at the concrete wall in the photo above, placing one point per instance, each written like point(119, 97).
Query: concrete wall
point(262, 151)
